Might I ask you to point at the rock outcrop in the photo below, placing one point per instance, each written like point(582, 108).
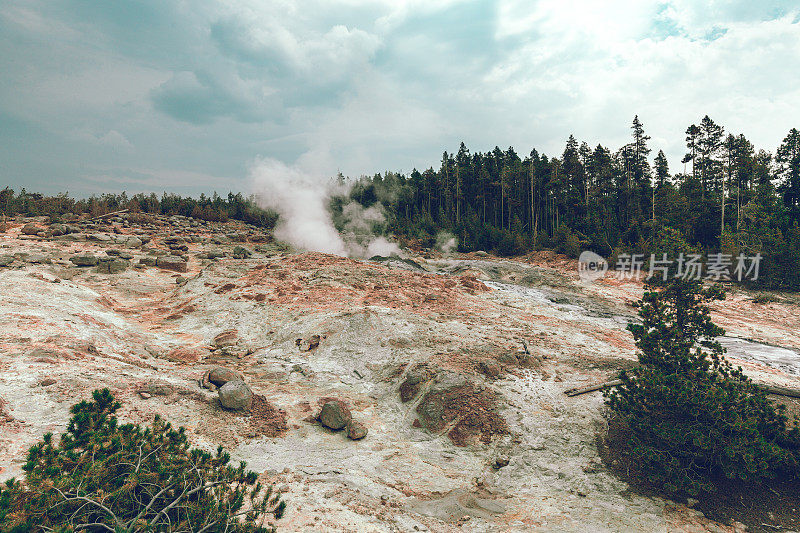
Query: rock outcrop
point(235, 395)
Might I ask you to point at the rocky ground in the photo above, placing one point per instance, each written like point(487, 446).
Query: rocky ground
point(445, 375)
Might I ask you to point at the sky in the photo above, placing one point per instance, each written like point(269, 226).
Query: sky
point(189, 97)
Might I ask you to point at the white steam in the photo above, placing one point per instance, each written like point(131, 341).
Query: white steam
point(301, 202)
point(301, 199)
point(446, 242)
point(358, 231)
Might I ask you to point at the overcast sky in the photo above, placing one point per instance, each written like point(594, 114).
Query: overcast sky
point(185, 96)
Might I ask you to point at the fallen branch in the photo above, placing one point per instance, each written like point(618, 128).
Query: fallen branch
point(769, 389)
point(592, 388)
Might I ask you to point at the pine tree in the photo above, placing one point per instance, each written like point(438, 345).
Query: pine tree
point(102, 476)
point(788, 160)
point(691, 416)
point(662, 168)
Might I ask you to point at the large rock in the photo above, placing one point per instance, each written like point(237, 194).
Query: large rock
point(6, 260)
point(30, 229)
point(148, 261)
point(115, 266)
point(172, 262)
point(219, 376)
point(335, 414)
point(84, 260)
point(235, 395)
point(58, 229)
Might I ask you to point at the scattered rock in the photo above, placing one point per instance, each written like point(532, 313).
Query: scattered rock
point(30, 229)
point(335, 414)
point(501, 461)
point(219, 376)
point(235, 395)
point(467, 412)
point(38, 259)
point(56, 230)
point(115, 266)
point(46, 382)
point(191, 354)
point(356, 430)
point(310, 344)
point(98, 237)
point(84, 260)
point(172, 262)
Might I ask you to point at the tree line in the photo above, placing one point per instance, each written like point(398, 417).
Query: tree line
point(729, 198)
point(214, 208)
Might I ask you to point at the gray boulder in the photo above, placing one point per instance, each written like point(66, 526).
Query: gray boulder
point(84, 260)
point(219, 376)
point(235, 395)
point(172, 262)
point(58, 229)
point(30, 229)
point(335, 415)
point(115, 266)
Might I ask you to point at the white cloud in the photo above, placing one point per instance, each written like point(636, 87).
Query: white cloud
point(366, 86)
point(591, 82)
point(111, 138)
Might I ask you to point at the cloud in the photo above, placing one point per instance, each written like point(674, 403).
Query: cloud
point(111, 139)
point(200, 97)
point(314, 57)
point(367, 86)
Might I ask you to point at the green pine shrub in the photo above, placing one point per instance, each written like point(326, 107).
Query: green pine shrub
point(691, 417)
point(566, 241)
point(103, 476)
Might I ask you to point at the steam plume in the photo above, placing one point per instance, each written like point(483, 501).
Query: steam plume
point(302, 203)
